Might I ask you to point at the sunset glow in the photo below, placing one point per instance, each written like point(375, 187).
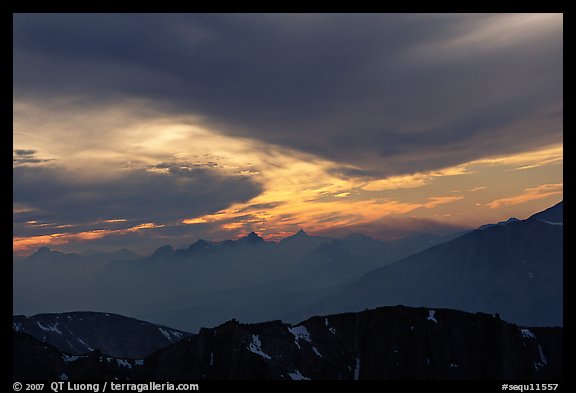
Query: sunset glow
point(101, 168)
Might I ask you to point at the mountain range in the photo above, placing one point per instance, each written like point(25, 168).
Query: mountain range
point(446, 300)
point(514, 268)
point(206, 283)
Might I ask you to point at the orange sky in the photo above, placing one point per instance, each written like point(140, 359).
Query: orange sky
point(299, 191)
point(140, 130)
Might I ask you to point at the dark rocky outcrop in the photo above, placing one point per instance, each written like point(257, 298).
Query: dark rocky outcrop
point(114, 335)
point(38, 361)
point(385, 343)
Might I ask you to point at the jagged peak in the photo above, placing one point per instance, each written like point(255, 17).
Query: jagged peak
point(43, 251)
point(251, 238)
point(200, 243)
point(301, 232)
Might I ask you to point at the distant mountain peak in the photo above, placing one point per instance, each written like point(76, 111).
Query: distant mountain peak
point(43, 251)
point(251, 238)
point(200, 243)
point(357, 235)
point(334, 248)
point(501, 223)
point(552, 215)
point(199, 246)
point(163, 251)
point(301, 234)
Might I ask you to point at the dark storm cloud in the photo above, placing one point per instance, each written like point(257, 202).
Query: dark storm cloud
point(259, 206)
point(59, 195)
point(177, 168)
point(27, 156)
point(24, 152)
point(388, 93)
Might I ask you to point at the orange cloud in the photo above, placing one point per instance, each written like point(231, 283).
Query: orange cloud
point(531, 159)
point(147, 225)
point(22, 245)
point(529, 194)
point(441, 200)
point(299, 190)
point(414, 180)
point(316, 216)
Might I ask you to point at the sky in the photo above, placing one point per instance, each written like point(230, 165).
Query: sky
point(140, 130)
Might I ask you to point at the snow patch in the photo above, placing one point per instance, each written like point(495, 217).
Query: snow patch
point(166, 334)
point(300, 333)
point(211, 358)
point(139, 362)
point(527, 333)
point(63, 377)
point(69, 359)
point(453, 365)
point(176, 334)
point(51, 328)
point(123, 363)
point(543, 358)
point(431, 317)
point(552, 222)
point(86, 345)
point(317, 352)
point(16, 326)
point(297, 376)
point(256, 347)
point(357, 369)
point(331, 329)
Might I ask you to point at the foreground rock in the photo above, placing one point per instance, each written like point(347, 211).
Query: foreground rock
point(384, 343)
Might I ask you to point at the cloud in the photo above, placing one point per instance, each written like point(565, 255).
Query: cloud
point(530, 194)
point(441, 200)
point(549, 155)
point(393, 228)
point(63, 196)
point(389, 94)
point(414, 180)
point(24, 152)
point(26, 157)
point(342, 195)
